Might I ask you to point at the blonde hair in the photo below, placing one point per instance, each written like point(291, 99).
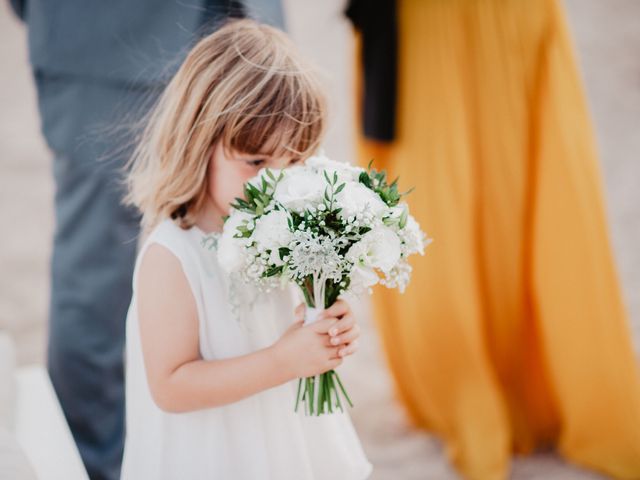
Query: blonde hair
point(244, 85)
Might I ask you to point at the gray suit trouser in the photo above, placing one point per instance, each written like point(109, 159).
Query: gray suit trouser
point(93, 256)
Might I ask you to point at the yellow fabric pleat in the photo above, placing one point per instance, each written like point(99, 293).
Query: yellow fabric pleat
point(512, 334)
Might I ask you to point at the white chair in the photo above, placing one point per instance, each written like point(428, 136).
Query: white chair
point(36, 432)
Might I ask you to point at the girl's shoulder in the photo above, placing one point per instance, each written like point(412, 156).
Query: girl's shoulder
point(166, 232)
point(178, 240)
point(180, 243)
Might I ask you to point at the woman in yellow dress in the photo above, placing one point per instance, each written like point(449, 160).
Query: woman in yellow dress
point(512, 335)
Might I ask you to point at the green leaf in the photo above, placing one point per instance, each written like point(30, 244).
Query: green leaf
point(403, 218)
point(364, 179)
point(273, 271)
point(253, 189)
point(283, 252)
point(271, 175)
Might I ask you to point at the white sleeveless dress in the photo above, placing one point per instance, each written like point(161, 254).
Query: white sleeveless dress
point(259, 437)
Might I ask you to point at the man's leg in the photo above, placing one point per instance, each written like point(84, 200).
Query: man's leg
point(93, 256)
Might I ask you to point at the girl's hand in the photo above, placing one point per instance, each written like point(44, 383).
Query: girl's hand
point(317, 348)
point(344, 333)
point(304, 350)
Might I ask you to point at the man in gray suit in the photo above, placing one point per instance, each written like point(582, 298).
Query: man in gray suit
point(95, 64)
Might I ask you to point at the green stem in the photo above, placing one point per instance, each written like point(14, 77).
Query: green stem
point(298, 394)
point(307, 290)
point(320, 394)
point(338, 402)
point(331, 388)
point(343, 390)
point(305, 396)
point(320, 401)
point(323, 378)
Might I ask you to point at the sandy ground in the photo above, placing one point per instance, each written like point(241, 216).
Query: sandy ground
point(607, 36)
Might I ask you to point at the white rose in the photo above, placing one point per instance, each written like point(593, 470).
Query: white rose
point(345, 171)
point(231, 251)
point(378, 248)
point(272, 231)
point(356, 198)
point(300, 187)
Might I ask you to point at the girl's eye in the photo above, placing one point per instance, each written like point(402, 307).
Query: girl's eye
point(258, 162)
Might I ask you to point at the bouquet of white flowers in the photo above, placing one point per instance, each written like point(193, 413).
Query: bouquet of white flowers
point(329, 227)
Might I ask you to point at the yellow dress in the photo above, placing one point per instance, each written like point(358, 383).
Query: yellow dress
point(513, 334)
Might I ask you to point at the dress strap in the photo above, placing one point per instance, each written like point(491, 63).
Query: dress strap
point(173, 238)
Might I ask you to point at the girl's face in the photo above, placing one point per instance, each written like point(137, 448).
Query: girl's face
point(229, 171)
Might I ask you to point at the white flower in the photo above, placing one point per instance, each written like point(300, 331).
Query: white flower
point(362, 279)
point(299, 188)
point(398, 277)
point(345, 171)
point(395, 213)
point(231, 251)
point(355, 198)
point(272, 231)
point(274, 258)
point(378, 248)
point(315, 248)
point(413, 238)
point(312, 255)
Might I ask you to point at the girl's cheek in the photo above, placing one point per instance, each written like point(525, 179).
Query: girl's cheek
point(228, 182)
point(231, 189)
point(221, 195)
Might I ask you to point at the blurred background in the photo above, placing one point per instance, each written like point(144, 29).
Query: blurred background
point(606, 34)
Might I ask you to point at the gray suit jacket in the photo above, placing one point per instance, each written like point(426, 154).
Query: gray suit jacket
point(131, 41)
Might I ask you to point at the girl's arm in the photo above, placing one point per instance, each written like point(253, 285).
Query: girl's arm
point(180, 380)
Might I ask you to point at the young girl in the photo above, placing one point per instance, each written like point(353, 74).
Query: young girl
point(211, 367)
